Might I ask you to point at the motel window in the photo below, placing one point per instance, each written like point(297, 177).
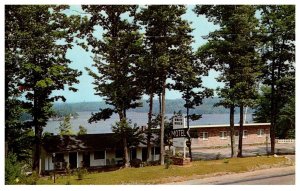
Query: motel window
point(223, 134)
point(119, 153)
point(157, 150)
point(245, 134)
point(99, 155)
point(236, 133)
point(59, 157)
point(204, 135)
point(260, 132)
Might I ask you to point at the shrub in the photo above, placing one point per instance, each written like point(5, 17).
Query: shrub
point(153, 163)
point(31, 179)
point(178, 154)
point(13, 170)
point(218, 156)
point(168, 159)
point(80, 173)
point(135, 163)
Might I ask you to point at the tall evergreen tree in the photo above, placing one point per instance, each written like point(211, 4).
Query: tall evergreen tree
point(188, 81)
point(278, 53)
point(65, 127)
point(16, 131)
point(44, 66)
point(285, 127)
point(231, 50)
point(165, 33)
point(116, 54)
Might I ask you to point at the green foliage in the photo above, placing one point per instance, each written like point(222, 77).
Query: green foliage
point(278, 54)
point(65, 127)
point(124, 129)
point(286, 120)
point(262, 112)
point(39, 63)
point(31, 179)
point(82, 130)
point(285, 126)
point(168, 159)
point(135, 163)
point(232, 50)
point(81, 172)
point(167, 45)
point(116, 54)
point(218, 156)
point(13, 170)
point(115, 57)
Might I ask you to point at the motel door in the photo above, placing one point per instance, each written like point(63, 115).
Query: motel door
point(133, 154)
point(144, 154)
point(73, 160)
point(86, 159)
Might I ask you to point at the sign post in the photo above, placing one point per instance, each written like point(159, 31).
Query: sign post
point(179, 133)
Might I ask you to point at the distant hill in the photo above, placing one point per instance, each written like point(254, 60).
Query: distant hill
point(171, 105)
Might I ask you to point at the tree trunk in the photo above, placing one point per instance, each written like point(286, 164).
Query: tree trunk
point(159, 102)
point(241, 129)
point(149, 127)
point(232, 137)
point(124, 139)
point(37, 136)
point(126, 162)
point(273, 113)
point(162, 124)
point(37, 151)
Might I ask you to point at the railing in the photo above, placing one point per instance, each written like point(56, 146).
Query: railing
point(285, 140)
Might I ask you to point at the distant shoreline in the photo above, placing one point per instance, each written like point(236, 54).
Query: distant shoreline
point(140, 118)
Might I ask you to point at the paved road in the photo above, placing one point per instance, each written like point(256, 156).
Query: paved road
point(273, 176)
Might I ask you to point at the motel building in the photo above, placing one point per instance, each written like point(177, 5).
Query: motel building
point(209, 136)
point(99, 150)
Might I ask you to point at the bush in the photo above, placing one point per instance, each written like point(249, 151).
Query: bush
point(178, 154)
point(168, 160)
point(80, 173)
point(13, 170)
point(153, 163)
point(218, 156)
point(135, 163)
point(31, 179)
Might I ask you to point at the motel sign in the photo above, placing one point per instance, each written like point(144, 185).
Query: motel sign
point(176, 133)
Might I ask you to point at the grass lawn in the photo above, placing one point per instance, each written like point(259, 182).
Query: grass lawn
point(159, 175)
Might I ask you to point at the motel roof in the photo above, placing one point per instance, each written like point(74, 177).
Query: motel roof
point(68, 143)
point(227, 125)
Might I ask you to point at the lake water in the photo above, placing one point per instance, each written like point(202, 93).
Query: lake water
point(138, 118)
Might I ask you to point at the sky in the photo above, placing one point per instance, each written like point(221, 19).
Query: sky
point(81, 59)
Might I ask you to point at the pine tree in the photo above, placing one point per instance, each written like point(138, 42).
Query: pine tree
point(65, 127)
point(165, 33)
point(188, 81)
point(82, 130)
point(44, 66)
point(231, 50)
point(16, 131)
point(116, 54)
point(278, 53)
